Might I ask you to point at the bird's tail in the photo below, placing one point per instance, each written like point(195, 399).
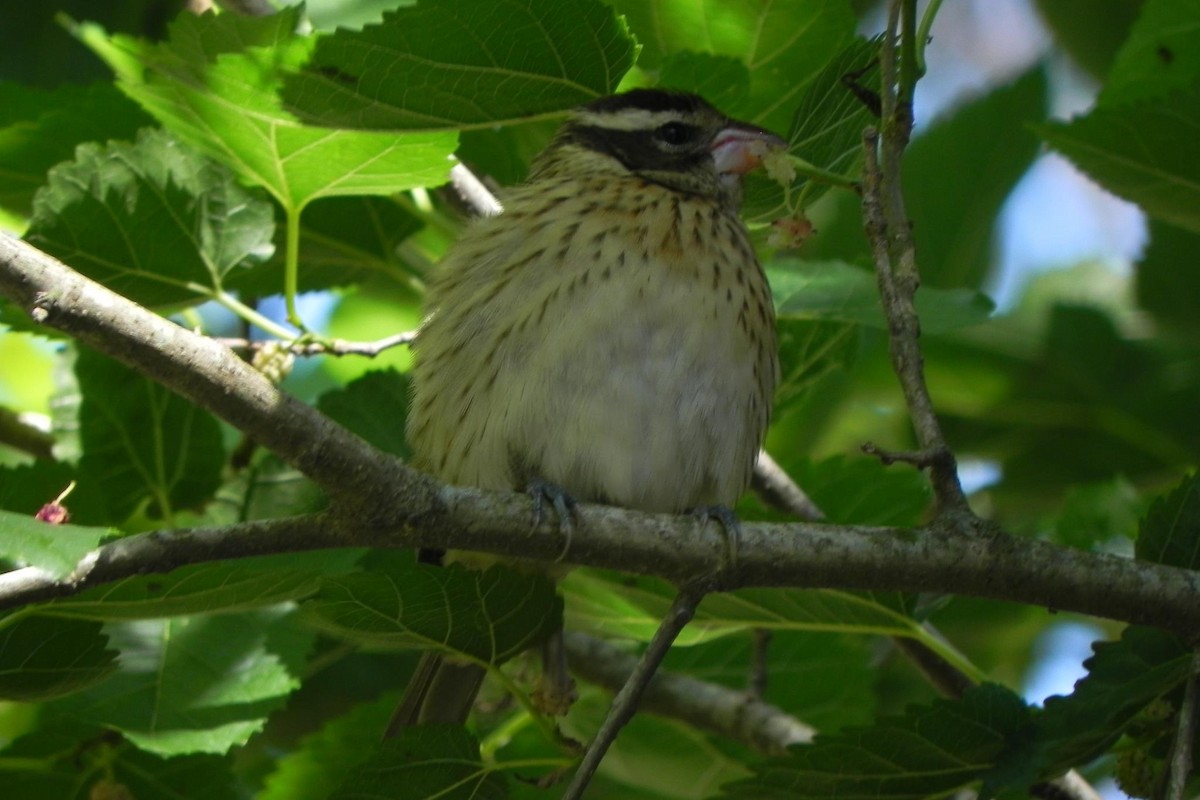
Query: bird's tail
point(440, 691)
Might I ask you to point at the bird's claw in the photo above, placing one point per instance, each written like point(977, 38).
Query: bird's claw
point(564, 506)
point(729, 524)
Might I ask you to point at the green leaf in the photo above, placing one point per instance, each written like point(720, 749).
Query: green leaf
point(1170, 532)
point(43, 658)
point(142, 443)
point(723, 81)
point(40, 128)
point(1095, 514)
point(784, 43)
point(154, 221)
point(1161, 54)
point(440, 761)
point(613, 605)
point(655, 757)
point(1133, 151)
point(828, 123)
point(199, 684)
point(1123, 678)
point(835, 291)
point(862, 491)
point(223, 100)
point(930, 751)
point(1164, 287)
point(1091, 31)
point(27, 487)
point(375, 407)
point(809, 351)
point(825, 130)
point(326, 758)
point(224, 586)
point(81, 763)
point(56, 549)
point(472, 63)
point(487, 616)
point(824, 679)
point(959, 172)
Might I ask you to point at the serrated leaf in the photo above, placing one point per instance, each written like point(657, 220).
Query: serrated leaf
point(1170, 531)
point(487, 616)
point(476, 63)
point(835, 291)
point(375, 407)
point(142, 443)
point(199, 684)
point(930, 751)
point(56, 549)
point(1123, 678)
point(223, 100)
point(154, 221)
point(42, 658)
point(224, 586)
point(42, 128)
point(1133, 151)
point(784, 43)
point(440, 761)
point(1161, 53)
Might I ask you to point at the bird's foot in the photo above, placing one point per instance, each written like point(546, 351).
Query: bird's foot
point(729, 525)
point(543, 491)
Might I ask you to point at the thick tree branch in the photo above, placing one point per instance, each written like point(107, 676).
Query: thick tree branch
point(380, 502)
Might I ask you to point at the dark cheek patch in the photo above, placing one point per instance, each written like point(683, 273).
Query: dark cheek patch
point(635, 149)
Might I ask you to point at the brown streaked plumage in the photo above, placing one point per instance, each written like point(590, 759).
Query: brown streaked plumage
point(611, 332)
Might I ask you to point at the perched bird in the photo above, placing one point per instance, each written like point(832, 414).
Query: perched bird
point(609, 335)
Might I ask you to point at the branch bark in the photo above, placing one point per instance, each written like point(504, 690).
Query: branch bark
point(378, 501)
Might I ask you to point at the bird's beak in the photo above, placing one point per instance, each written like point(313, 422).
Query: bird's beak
point(739, 148)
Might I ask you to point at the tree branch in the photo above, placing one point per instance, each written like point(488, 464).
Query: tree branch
point(380, 502)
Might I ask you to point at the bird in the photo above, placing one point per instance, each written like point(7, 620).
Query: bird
point(609, 337)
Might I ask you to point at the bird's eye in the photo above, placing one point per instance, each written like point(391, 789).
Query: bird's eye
point(675, 133)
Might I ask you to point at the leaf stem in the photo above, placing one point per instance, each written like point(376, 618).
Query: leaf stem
point(291, 274)
point(923, 35)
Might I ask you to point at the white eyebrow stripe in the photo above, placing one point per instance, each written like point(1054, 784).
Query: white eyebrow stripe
point(633, 119)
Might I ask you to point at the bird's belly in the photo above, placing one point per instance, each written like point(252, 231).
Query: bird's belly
point(637, 396)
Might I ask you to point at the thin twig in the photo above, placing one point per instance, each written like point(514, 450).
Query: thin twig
point(1185, 736)
point(893, 249)
point(625, 703)
point(331, 347)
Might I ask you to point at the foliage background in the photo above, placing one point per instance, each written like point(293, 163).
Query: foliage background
point(241, 679)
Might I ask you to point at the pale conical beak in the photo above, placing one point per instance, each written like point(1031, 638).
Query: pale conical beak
point(739, 148)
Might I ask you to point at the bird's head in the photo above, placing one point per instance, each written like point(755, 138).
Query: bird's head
point(673, 139)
